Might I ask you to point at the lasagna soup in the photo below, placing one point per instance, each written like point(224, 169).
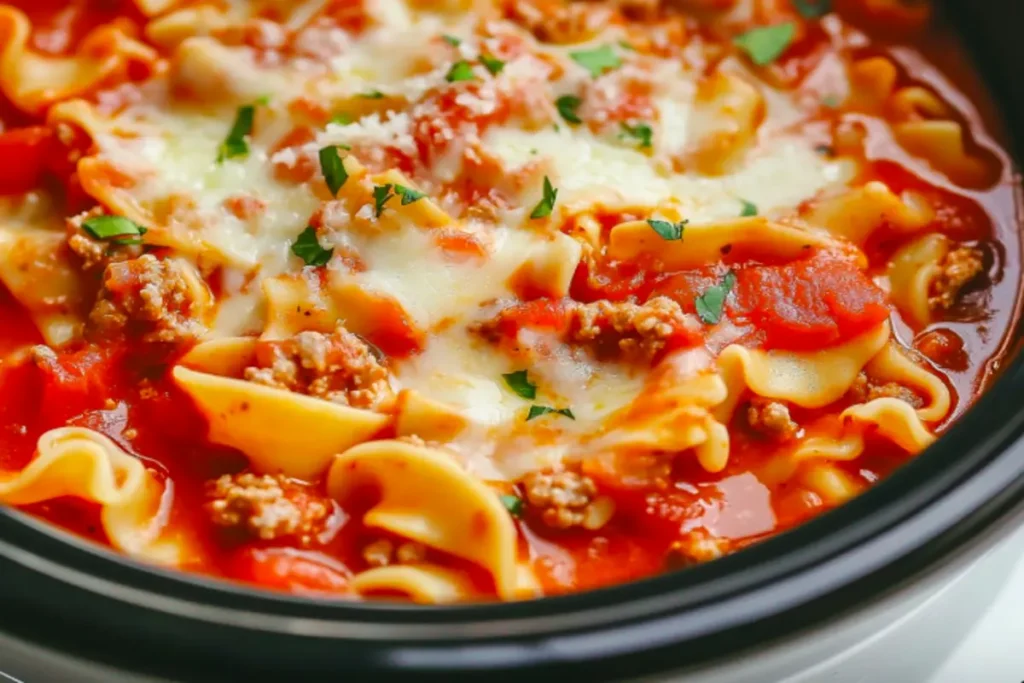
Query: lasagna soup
point(455, 300)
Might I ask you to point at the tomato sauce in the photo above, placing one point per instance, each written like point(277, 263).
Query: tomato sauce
point(805, 304)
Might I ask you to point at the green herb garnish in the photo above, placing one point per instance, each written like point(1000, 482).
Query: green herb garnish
point(341, 119)
point(307, 248)
point(547, 203)
point(711, 303)
point(452, 40)
point(597, 61)
point(567, 106)
point(381, 195)
point(641, 132)
point(519, 382)
point(372, 95)
point(333, 168)
point(492, 64)
point(237, 144)
point(749, 209)
point(813, 9)
point(460, 71)
point(514, 504)
point(667, 230)
point(767, 43)
point(115, 229)
point(408, 194)
point(537, 411)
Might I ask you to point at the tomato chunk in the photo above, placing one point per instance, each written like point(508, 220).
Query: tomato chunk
point(290, 570)
point(25, 152)
point(819, 301)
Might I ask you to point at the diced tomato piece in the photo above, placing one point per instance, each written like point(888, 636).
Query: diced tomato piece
point(539, 314)
point(394, 332)
point(611, 280)
point(77, 381)
point(819, 301)
point(25, 153)
point(290, 570)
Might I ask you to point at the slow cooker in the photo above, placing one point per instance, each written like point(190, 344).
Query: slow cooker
point(883, 588)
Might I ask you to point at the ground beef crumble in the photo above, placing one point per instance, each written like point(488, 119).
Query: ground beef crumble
point(566, 499)
point(771, 419)
point(337, 367)
point(637, 330)
point(267, 507)
point(958, 269)
point(151, 299)
point(384, 552)
point(864, 390)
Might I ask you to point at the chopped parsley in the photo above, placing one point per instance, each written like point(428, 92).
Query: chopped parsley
point(237, 143)
point(711, 303)
point(307, 248)
point(492, 64)
point(767, 43)
point(381, 195)
point(831, 101)
point(333, 168)
point(451, 40)
point(460, 71)
point(537, 411)
point(408, 194)
point(641, 132)
point(626, 45)
point(117, 229)
point(372, 95)
point(520, 383)
point(598, 60)
point(547, 203)
point(813, 9)
point(666, 229)
point(341, 119)
point(567, 106)
point(749, 209)
point(512, 503)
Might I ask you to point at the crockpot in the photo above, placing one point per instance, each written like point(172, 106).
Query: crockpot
point(846, 596)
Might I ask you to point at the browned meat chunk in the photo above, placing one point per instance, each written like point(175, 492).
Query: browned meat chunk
point(151, 299)
point(337, 367)
point(771, 419)
point(637, 330)
point(566, 499)
point(383, 552)
point(267, 507)
point(557, 21)
point(961, 266)
point(864, 390)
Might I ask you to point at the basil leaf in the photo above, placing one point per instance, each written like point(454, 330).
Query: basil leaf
point(711, 303)
point(333, 168)
point(547, 204)
point(567, 106)
point(519, 382)
point(307, 248)
point(813, 9)
point(381, 195)
point(372, 95)
point(492, 64)
point(341, 119)
point(597, 61)
point(117, 229)
point(641, 132)
point(767, 43)
point(537, 411)
point(236, 144)
point(408, 195)
point(452, 40)
point(749, 209)
point(460, 71)
point(514, 504)
point(667, 230)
